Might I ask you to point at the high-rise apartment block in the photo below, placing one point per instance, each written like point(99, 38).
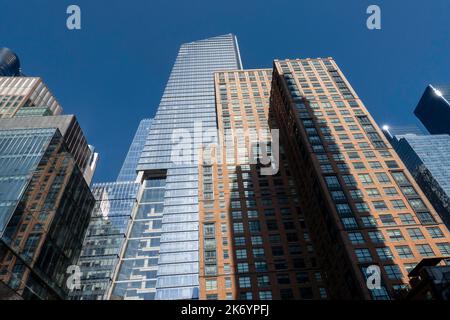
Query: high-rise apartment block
point(362, 205)
point(433, 109)
point(254, 240)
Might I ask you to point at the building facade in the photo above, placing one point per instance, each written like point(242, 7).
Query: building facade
point(366, 213)
point(433, 109)
point(427, 158)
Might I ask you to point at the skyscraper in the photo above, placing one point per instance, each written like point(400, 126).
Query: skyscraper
point(9, 63)
point(46, 205)
point(366, 213)
point(128, 170)
point(427, 157)
point(433, 109)
point(45, 169)
point(162, 262)
point(254, 240)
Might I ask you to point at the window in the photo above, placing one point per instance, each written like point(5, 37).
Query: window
point(343, 209)
point(400, 178)
point(302, 277)
point(373, 192)
point(362, 207)
point(363, 255)
point(425, 250)
point(395, 235)
point(407, 218)
point(332, 182)
point(417, 204)
point(211, 284)
point(444, 248)
point(242, 267)
point(415, 234)
point(349, 223)
point(245, 296)
point(369, 221)
point(263, 281)
point(376, 236)
point(356, 194)
point(382, 177)
point(435, 232)
point(244, 282)
point(379, 205)
point(365, 178)
point(241, 254)
point(260, 266)
point(356, 237)
point(404, 252)
point(265, 295)
point(384, 253)
point(393, 272)
point(387, 220)
point(425, 218)
point(390, 191)
point(238, 227)
point(398, 204)
point(375, 165)
point(283, 279)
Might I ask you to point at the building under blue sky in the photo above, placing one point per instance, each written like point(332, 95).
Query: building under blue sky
point(112, 72)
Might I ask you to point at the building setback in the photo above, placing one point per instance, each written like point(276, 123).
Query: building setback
point(128, 170)
point(362, 205)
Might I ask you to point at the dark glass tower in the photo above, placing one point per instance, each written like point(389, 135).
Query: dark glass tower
point(433, 109)
point(9, 63)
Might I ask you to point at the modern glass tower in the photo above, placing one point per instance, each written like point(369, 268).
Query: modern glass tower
point(433, 109)
point(165, 263)
point(427, 157)
point(9, 63)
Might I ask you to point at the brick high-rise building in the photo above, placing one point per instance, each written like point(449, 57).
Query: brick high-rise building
point(362, 205)
point(254, 240)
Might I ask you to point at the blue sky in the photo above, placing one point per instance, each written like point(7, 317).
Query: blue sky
point(112, 73)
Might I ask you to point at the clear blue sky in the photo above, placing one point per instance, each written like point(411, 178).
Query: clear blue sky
point(112, 73)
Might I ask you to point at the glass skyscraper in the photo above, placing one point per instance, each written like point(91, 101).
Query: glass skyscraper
point(427, 157)
point(9, 63)
point(163, 261)
point(433, 109)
